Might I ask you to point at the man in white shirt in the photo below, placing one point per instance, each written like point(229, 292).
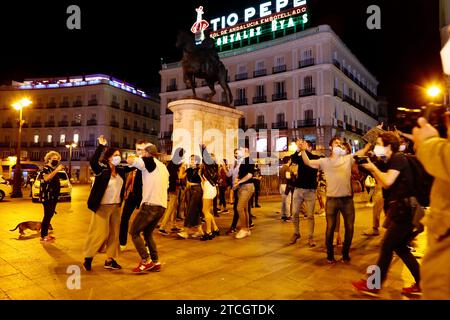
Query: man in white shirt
point(155, 182)
point(338, 171)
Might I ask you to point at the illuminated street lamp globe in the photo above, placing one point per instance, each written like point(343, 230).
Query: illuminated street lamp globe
point(433, 91)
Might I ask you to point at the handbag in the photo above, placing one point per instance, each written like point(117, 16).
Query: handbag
point(369, 182)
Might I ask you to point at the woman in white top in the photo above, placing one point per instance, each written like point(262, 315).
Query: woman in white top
point(105, 200)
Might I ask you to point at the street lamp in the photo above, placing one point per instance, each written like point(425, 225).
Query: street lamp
point(70, 146)
point(17, 188)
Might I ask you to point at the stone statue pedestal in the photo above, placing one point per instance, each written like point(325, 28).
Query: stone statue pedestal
point(198, 122)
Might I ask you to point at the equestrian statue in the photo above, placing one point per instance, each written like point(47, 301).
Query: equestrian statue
point(202, 62)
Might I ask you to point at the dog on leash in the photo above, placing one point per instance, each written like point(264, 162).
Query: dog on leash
point(32, 225)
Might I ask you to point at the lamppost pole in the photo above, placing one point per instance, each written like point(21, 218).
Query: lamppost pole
point(17, 187)
point(70, 145)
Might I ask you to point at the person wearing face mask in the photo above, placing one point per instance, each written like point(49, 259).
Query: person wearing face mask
point(50, 188)
point(105, 200)
point(233, 172)
point(397, 183)
point(337, 169)
point(132, 197)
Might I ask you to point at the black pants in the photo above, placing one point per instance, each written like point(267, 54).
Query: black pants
point(222, 200)
point(396, 239)
point(257, 184)
point(49, 211)
point(236, 213)
point(127, 210)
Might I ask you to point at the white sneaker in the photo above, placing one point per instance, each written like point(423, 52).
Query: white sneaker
point(242, 234)
point(197, 235)
point(122, 248)
point(183, 235)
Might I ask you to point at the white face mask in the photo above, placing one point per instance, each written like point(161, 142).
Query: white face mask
point(116, 160)
point(379, 151)
point(337, 151)
point(402, 147)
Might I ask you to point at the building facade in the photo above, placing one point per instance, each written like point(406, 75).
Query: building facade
point(444, 21)
point(306, 84)
point(75, 109)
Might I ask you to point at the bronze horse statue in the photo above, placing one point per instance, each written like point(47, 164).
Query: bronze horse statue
point(201, 61)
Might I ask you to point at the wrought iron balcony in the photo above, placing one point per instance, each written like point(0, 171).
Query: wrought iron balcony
point(307, 92)
point(278, 69)
point(279, 96)
point(240, 102)
point(305, 63)
point(241, 76)
point(306, 123)
point(259, 73)
point(280, 125)
point(259, 99)
point(91, 122)
point(63, 123)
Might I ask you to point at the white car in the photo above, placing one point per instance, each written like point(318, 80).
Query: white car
point(66, 188)
point(5, 189)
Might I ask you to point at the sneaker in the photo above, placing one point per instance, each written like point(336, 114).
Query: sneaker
point(48, 239)
point(251, 226)
point(87, 264)
point(345, 259)
point(156, 268)
point(253, 217)
point(242, 234)
point(112, 264)
point(183, 234)
point(361, 286)
point(224, 211)
point(206, 237)
point(371, 233)
point(197, 235)
point(231, 231)
point(286, 218)
point(216, 233)
point(257, 206)
point(294, 238)
point(331, 261)
point(311, 243)
point(174, 229)
point(412, 290)
point(145, 267)
point(163, 232)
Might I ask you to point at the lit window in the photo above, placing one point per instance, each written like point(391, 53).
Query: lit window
point(49, 138)
point(62, 139)
point(261, 145)
point(281, 144)
point(76, 137)
point(36, 138)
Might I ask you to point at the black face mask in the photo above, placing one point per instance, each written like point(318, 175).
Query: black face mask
point(54, 163)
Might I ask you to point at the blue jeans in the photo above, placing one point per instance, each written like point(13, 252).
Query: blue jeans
point(309, 197)
point(346, 206)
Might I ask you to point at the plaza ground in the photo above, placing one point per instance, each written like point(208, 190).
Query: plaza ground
point(263, 266)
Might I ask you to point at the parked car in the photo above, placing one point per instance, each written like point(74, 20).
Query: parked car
point(66, 188)
point(5, 189)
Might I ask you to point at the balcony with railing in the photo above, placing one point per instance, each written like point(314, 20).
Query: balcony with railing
point(337, 63)
point(280, 125)
point(171, 87)
point(154, 117)
point(24, 125)
point(167, 134)
point(145, 130)
point(137, 111)
point(49, 144)
point(306, 92)
point(340, 123)
point(63, 123)
point(36, 124)
point(64, 104)
point(89, 143)
point(240, 102)
point(5, 144)
point(7, 124)
point(93, 102)
point(278, 69)
point(77, 103)
point(39, 105)
point(153, 132)
point(91, 122)
point(306, 123)
point(35, 144)
point(51, 105)
point(146, 114)
point(116, 105)
point(50, 124)
point(115, 144)
point(75, 123)
point(126, 126)
point(114, 123)
point(241, 76)
point(359, 106)
point(259, 73)
point(305, 63)
point(136, 129)
point(279, 96)
point(260, 126)
point(259, 99)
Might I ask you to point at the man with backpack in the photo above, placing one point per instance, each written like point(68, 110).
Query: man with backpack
point(434, 154)
point(398, 189)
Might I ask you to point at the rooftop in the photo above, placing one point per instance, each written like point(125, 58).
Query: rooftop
point(77, 81)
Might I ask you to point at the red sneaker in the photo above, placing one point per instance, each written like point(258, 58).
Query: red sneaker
point(48, 239)
point(147, 267)
point(361, 286)
point(412, 290)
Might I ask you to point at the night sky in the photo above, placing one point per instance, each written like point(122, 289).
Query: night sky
point(128, 38)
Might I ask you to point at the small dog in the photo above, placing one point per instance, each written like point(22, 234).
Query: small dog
point(32, 225)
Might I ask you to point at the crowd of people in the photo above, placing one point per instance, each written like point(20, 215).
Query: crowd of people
point(195, 191)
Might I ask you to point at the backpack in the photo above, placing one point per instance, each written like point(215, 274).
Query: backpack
point(422, 181)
